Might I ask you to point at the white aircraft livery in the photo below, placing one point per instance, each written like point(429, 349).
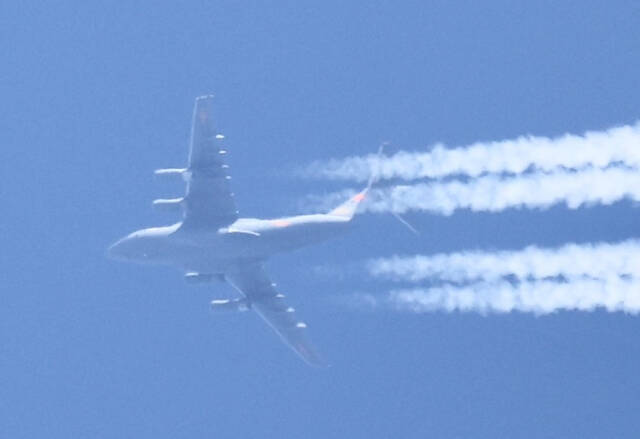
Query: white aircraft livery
point(213, 243)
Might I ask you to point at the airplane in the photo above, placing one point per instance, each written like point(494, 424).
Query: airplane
point(213, 243)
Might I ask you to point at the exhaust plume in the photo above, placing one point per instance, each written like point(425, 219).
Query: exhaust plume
point(594, 149)
point(492, 193)
point(572, 277)
point(598, 261)
point(539, 297)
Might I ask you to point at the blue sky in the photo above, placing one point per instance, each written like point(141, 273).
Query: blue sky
point(95, 96)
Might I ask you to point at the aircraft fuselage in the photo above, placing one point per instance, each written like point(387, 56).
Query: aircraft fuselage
point(213, 243)
point(210, 251)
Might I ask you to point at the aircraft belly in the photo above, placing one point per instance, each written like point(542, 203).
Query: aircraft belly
point(216, 253)
point(298, 236)
point(212, 242)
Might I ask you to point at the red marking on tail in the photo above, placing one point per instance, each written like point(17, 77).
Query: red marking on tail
point(359, 197)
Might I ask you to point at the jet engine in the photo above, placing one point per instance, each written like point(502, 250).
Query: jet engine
point(229, 305)
point(170, 171)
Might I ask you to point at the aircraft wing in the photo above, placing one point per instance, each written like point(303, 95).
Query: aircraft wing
point(209, 201)
point(252, 281)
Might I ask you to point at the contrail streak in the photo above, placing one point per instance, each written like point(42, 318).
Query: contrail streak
point(572, 277)
point(597, 149)
point(540, 297)
point(598, 261)
point(492, 193)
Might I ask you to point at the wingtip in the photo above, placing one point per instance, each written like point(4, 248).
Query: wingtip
point(309, 354)
point(317, 363)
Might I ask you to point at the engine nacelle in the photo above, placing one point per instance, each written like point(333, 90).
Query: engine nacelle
point(180, 172)
point(168, 205)
point(170, 171)
point(229, 305)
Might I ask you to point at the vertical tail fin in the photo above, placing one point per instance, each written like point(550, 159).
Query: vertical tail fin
point(348, 208)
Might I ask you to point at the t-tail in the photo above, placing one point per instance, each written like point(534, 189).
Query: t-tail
point(348, 209)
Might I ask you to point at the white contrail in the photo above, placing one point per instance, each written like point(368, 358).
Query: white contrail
point(572, 277)
point(597, 261)
point(540, 297)
point(493, 193)
point(598, 149)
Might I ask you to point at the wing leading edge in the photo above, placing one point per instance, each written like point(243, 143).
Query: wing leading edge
point(253, 282)
point(209, 201)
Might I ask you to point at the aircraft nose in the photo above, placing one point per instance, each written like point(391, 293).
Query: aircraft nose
point(115, 250)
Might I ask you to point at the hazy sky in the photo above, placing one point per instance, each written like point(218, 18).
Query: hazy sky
point(95, 96)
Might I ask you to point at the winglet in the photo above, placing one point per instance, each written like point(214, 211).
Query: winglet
point(348, 208)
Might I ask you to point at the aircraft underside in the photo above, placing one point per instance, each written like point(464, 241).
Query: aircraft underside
point(212, 243)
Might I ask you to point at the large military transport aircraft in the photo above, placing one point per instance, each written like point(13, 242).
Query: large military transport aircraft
point(213, 243)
